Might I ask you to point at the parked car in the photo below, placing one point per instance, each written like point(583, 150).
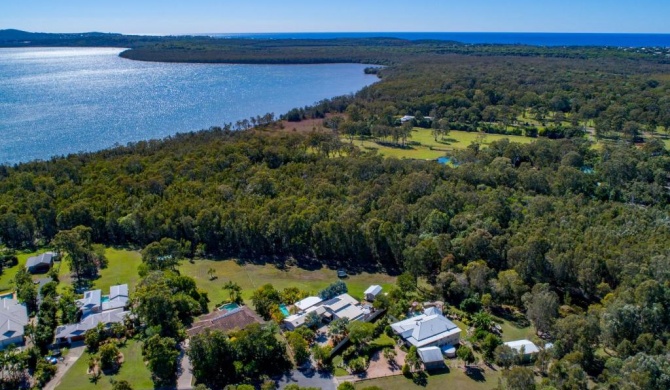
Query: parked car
point(341, 273)
point(51, 360)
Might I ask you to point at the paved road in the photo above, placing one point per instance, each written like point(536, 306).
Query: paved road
point(308, 378)
point(68, 361)
point(185, 377)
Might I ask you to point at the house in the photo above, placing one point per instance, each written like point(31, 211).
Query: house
point(431, 357)
point(342, 306)
point(307, 303)
point(118, 298)
point(406, 118)
point(226, 321)
point(526, 348)
point(425, 330)
point(91, 303)
point(432, 311)
point(76, 332)
point(40, 264)
point(372, 292)
point(13, 319)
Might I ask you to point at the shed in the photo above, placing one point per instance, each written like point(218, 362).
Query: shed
point(372, 292)
point(431, 357)
point(41, 263)
point(526, 348)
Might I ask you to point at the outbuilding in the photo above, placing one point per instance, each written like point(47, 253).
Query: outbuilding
point(525, 348)
point(372, 292)
point(431, 357)
point(40, 264)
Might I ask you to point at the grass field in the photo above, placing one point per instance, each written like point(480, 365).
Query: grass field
point(121, 269)
point(133, 370)
point(8, 274)
point(251, 276)
point(453, 378)
point(425, 147)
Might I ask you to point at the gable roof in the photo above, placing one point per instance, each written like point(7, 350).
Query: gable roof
point(528, 346)
point(43, 259)
point(13, 318)
point(430, 354)
point(90, 322)
point(308, 302)
point(227, 321)
point(118, 298)
point(91, 300)
point(432, 311)
point(374, 290)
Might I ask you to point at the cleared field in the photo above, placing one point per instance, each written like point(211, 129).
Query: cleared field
point(423, 145)
point(451, 378)
point(6, 284)
point(121, 269)
point(133, 370)
point(252, 276)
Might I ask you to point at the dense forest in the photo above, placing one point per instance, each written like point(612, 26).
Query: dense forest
point(575, 236)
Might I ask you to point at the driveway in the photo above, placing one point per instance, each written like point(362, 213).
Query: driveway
point(308, 378)
point(185, 377)
point(72, 356)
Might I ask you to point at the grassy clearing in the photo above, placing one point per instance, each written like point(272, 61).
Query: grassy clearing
point(252, 276)
point(133, 370)
point(452, 378)
point(8, 274)
point(121, 269)
point(423, 145)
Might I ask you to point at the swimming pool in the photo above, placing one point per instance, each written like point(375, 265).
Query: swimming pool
point(444, 160)
point(105, 298)
point(284, 310)
point(229, 307)
point(7, 296)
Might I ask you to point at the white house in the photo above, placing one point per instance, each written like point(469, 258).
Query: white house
point(428, 331)
point(91, 303)
point(13, 319)
point(372, 292)
point(342, 306)
point(526, 348)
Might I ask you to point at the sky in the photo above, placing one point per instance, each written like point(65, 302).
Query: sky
point(245, 16)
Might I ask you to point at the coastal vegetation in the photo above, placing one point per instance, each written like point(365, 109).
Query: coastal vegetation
point(552, 234)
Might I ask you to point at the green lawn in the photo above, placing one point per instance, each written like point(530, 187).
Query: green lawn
point(251, 276)
point(454, 378)
point(8, 274)
point(429, 149)
point(133, 370)
point(121, 269)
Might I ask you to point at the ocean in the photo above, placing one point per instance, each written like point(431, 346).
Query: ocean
point(535, 39)
point(55, 101)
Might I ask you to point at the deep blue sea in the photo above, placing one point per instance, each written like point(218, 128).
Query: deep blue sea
point(535, 39)
point(55, 101)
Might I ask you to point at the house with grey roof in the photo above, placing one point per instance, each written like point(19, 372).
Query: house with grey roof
point(76, 332)
point(117, 299)
point(13, 319)
point(91, 303)
point(427, 330)
point(342, 306)
point(41, 263)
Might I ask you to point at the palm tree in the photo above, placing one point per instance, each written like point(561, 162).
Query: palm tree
point(210, 273)
point(234, 291)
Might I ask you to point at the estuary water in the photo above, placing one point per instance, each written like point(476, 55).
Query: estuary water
point(55, 101)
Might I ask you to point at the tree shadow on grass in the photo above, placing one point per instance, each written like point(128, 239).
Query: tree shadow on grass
point(476, 374)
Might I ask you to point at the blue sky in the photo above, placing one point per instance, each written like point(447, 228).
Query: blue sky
point(208, 16)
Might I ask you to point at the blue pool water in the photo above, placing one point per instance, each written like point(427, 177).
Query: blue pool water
point(7, 296)
point(229, 307)
point(284, 310)
point(105, 298)
point(56, 101)
point(444, 160)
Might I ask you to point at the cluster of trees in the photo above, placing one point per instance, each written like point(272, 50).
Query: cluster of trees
point(252, 355)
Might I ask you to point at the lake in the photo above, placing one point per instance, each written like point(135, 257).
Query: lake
point(55, 101)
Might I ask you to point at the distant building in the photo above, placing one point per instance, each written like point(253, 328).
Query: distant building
point(40, 264)
point(235, 319)
point(526, 348)
point(307, 303)
point(425, 330)
point(13, 319)
point(372, 292)
point(76, 332)
point(431, 357)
